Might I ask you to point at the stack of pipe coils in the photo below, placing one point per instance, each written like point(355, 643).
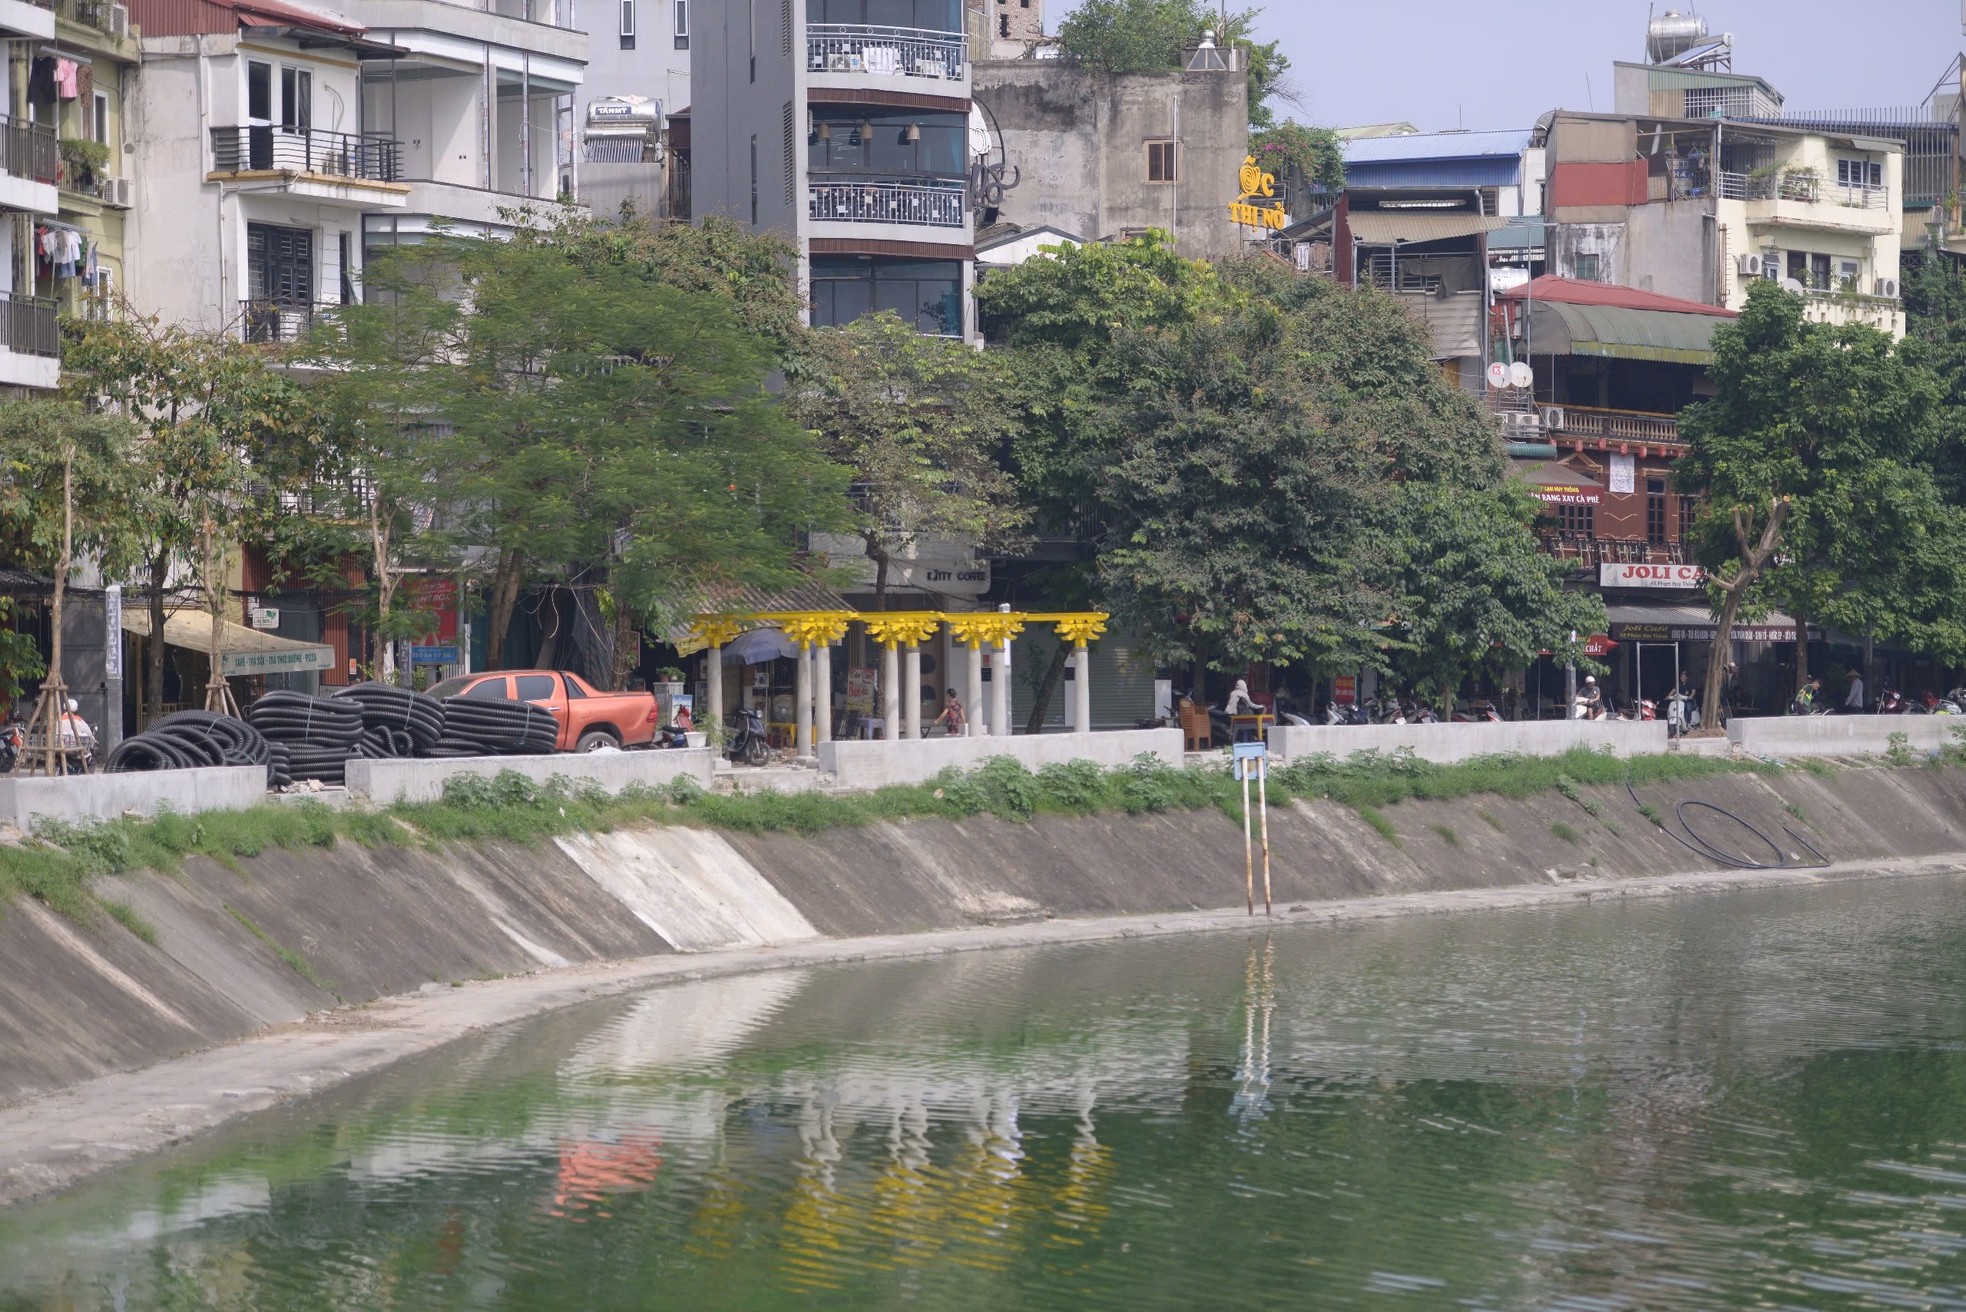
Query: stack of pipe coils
point(318, 733)
point(396, 722)
point(473, 727)
point(186, 740)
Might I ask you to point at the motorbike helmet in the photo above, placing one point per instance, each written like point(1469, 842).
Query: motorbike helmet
point(73, 706)
point(1590, 678)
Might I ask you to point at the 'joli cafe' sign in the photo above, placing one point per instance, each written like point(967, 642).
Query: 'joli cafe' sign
point(1256, 184)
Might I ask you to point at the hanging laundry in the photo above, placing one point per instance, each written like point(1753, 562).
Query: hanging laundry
point(68, 254)
point(65, 79)
point(41, 78)
point(44, 252)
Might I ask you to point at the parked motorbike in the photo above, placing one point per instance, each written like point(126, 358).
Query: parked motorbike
point(1486, 715)
point(1419, 713)
point(1892, 703)
point(12, 739)
point(748, 741)
point(1682, 714)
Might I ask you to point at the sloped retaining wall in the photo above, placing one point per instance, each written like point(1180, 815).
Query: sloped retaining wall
point(293, 932)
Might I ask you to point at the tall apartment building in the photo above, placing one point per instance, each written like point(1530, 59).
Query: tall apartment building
point(843, 125)
point(637, 80)
point(279, 144)
point(30, 170)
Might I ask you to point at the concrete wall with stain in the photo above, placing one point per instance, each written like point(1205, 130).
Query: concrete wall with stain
point(290, 933)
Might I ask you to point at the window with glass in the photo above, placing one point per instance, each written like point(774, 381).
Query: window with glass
point(925, 293)
point(1859, 173)
point(922, 15)
point(1577, 521)
point(898, 144)
point(1655, 510)
point(1160, 161)
point(682, 24)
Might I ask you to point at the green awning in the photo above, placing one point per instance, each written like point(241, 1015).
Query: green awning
point(1604, 330)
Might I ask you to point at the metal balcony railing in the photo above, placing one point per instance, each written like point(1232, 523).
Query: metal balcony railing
point(884, 51)
point(369, 156)
point(927, 204)
point(28, 325)
point(1805, 188)
point(1589, 552)
point(269, 321)
point(28, 150)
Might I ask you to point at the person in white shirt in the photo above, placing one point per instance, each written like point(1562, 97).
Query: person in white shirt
point(1853, 701)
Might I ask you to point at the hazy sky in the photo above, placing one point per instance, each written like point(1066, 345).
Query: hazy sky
point(1501, 63)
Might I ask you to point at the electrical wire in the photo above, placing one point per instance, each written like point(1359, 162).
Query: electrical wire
point(1701, 846)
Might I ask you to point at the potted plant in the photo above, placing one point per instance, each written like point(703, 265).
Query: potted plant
point(82, 159)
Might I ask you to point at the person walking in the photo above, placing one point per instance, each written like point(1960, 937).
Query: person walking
point(1853, 701)
point(953, 719)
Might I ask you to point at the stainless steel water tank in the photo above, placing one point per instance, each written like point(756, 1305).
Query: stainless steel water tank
point(1672, 34)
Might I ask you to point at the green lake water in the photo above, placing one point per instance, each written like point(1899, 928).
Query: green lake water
point(1755, 1100)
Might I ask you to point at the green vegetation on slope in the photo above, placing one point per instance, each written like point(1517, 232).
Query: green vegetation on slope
point(55, 868)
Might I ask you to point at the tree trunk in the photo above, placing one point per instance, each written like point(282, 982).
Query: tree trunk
point(502, 601)
point(623, 657)
point(153, 651)
point(878, 554)
point(1054, 673)
point(1199, 692)
point(1754, 558)
point(1801, 649)
point(1870, 658)
point(385, 594)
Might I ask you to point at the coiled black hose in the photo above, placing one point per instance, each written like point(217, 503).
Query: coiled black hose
point(501, 728)
point(187, 740)
point(398, 710)
point(1694, 842)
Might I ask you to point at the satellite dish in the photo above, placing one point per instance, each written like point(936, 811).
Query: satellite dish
point(1793, 285)
point(1521, 375)
point(981, 139)
point(1498, 375)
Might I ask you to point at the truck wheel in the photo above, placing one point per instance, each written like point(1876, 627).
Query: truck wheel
point(594, 740)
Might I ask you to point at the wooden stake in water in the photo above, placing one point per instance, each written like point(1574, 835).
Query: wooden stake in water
point(1263, 805)
point(1248, 855)
point(1252, 758)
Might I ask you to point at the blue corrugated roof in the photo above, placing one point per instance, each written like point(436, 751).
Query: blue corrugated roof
point(1436, 146)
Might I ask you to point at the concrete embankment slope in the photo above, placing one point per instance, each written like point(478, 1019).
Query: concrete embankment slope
point(292, 933)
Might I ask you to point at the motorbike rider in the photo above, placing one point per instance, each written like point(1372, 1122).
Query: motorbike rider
point(1805, 698)
point(1685, 708)
point(76, 734)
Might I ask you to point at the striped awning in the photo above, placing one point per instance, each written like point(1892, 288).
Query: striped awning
point(1556, 328)
point(1386, 228)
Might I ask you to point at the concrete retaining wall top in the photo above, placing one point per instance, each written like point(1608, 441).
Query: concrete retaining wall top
point(89, 797)
point(1841, 735)
point(1445, 743)
point(859, 763)
point(388, 782)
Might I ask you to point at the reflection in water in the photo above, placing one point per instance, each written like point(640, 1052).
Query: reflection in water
point(1757, 1101)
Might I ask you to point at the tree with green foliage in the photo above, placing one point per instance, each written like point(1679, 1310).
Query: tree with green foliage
point(599, 429)
point(1153, 36)
point(1813, 457)
point(1482, 597)
point(1307, 160)
point(919, 423)
point(67, 484)
point(214, 416)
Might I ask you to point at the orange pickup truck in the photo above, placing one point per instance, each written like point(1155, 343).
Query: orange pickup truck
point(589, 720)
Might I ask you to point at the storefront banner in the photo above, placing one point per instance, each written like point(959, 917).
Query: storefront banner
point(1344, 689)
point(1649, 576)
point(1706, 632)
point(1624, 474)
point(860, 690)
point(1599, 645)
point(1567, 494)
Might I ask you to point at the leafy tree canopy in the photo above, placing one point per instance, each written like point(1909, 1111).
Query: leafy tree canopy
point(1152, 36)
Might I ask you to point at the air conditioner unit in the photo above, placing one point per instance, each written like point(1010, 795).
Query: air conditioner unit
point(1553, 416)
point(1750, 266)
point(1522, 421)
point(119, 21)
point(1888, 288)
point(845, 64)
point(117, 192)
point(931, 68)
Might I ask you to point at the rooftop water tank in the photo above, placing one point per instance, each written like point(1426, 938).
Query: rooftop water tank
point(1672, 34)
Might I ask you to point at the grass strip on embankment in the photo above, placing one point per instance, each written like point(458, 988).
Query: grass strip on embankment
point(55, 866)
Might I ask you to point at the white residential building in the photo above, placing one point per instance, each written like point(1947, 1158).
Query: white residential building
point(29, 167)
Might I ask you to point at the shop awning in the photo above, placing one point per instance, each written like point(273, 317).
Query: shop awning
point(241, 650)
point(1666, 622)
point(1381, 228)
point(1557, 483)
point(1621, 334)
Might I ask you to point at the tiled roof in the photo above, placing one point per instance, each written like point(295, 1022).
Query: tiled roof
point(1567, 291)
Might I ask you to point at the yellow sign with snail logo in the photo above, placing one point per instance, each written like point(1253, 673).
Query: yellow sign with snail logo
point(1257, 184)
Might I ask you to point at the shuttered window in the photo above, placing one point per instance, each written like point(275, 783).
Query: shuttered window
point(791, 155)
point(279, 264)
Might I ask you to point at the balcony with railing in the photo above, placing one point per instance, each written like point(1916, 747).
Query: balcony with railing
point(307, 152)
point(862, 53)
point(29, 152)
point(28, 325)
point(1804, 199)
point(933, 203)
point(1583, 551)
point(1611, 427)
point(271, 322)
